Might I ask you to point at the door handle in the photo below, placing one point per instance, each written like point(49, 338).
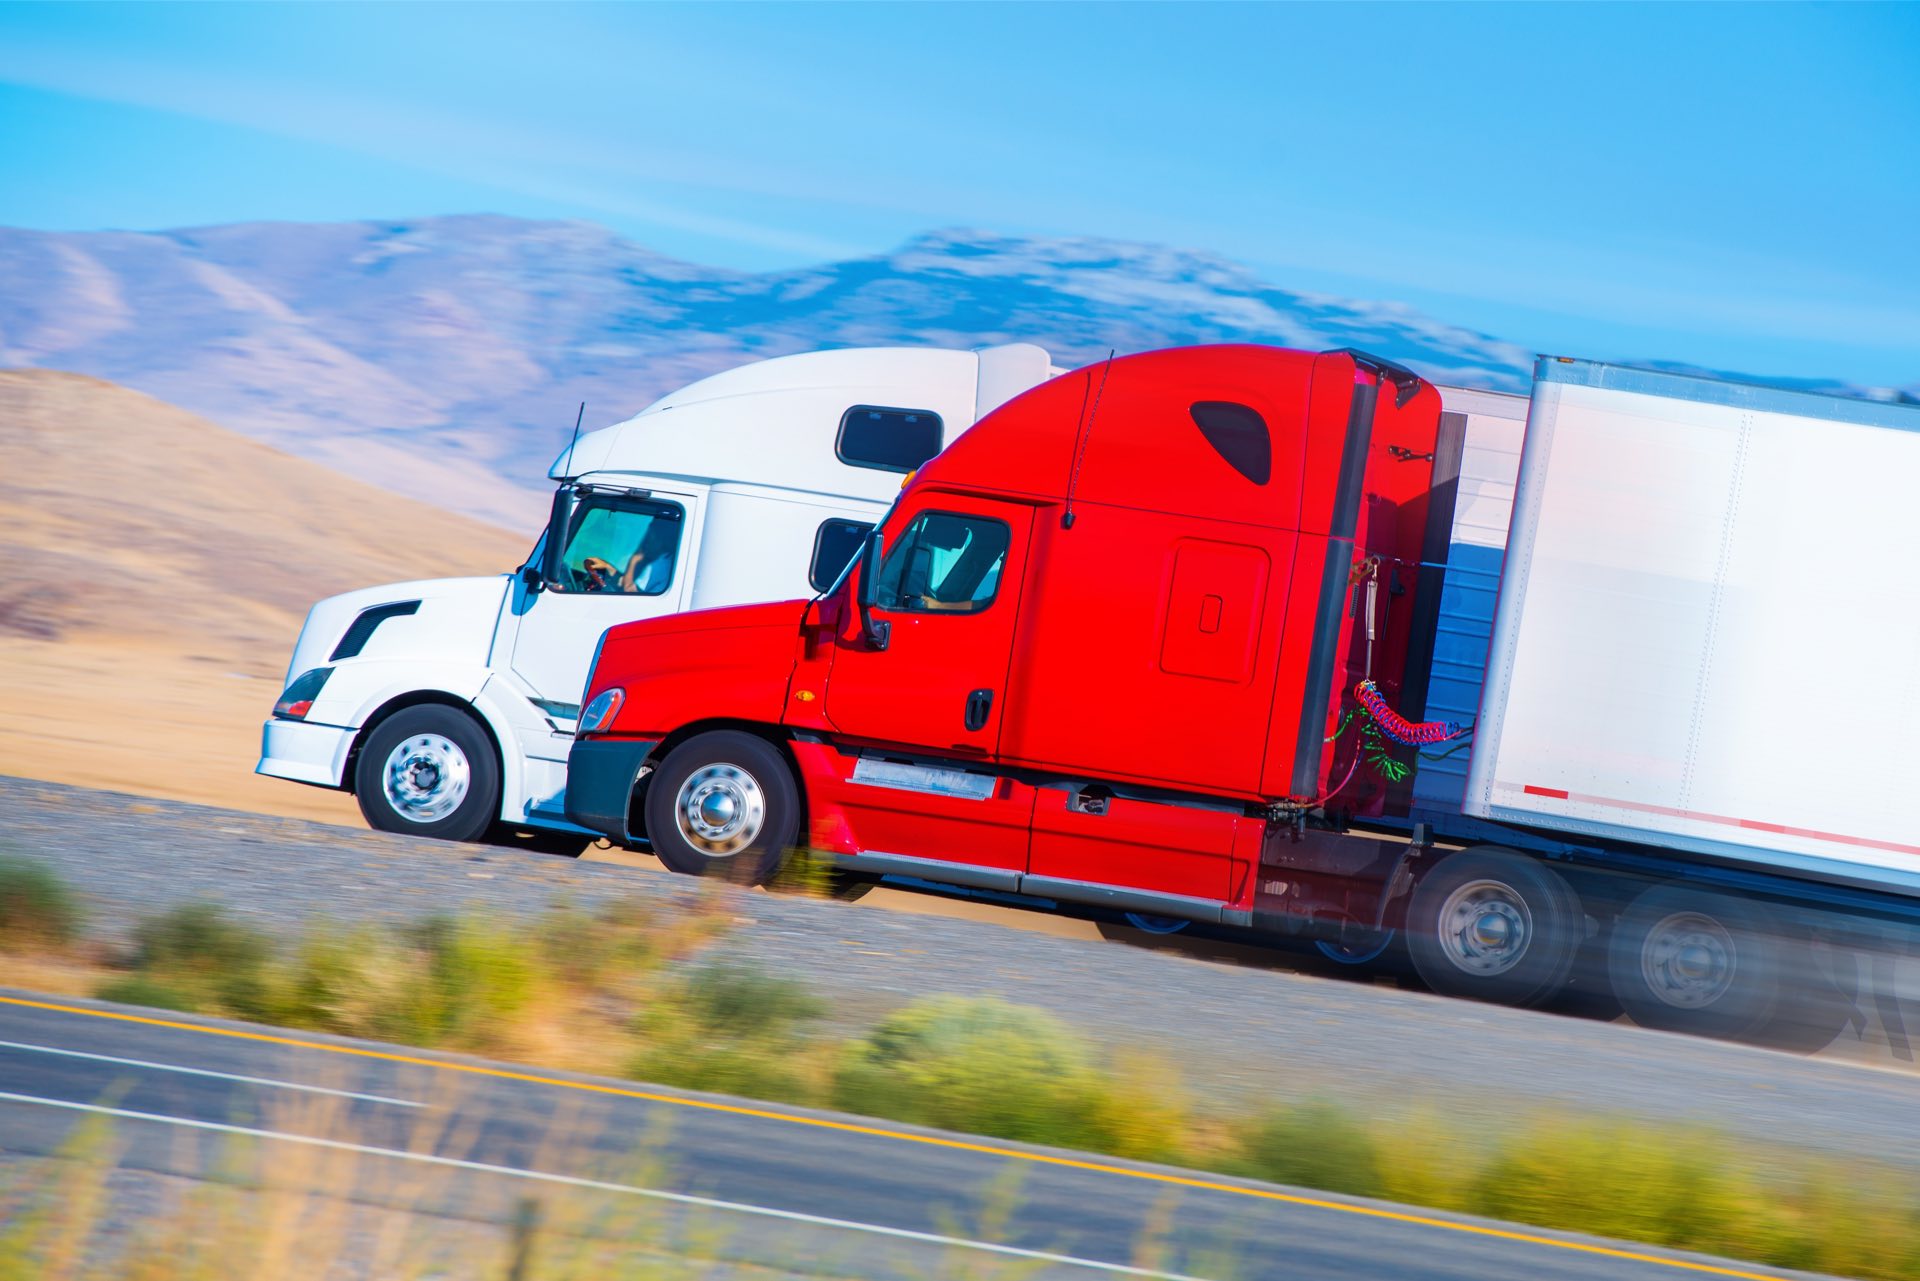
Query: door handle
point(979, 704)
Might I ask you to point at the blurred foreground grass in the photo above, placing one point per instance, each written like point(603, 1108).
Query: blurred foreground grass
point(595, 992)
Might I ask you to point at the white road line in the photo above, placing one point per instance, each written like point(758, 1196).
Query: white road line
point(218, 1076)
point(568, 1180)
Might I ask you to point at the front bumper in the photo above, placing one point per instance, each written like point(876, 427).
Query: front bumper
point(600, 777)
point(304, 752)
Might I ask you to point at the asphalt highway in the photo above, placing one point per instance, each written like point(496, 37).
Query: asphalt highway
point(797, 1191)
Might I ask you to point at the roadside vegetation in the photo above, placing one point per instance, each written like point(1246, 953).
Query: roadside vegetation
point(625, 991)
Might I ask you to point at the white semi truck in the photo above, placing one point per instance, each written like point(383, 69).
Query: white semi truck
point(447, 705)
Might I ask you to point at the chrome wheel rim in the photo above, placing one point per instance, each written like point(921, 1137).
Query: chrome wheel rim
point(1688, 960)
point(720, 809)
point(1485, 928)
point(426, 777)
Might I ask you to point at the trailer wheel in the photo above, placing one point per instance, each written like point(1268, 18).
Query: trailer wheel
point(725, 804)
point(1493, 925)
point(1687, 960)
point(428, 770)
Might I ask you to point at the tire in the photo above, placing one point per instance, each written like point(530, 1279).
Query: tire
point(1493, 925)
point(1687, 960)
point(723, 804)
point(541, 840)
point(429, 771)
point(1363, 956)
point(1147, 923)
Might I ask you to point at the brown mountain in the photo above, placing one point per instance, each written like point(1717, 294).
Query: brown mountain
point(159, 568)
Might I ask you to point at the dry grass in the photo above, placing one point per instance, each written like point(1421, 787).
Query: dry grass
point(232, 1207)
point(608, 992)
point(143, 635)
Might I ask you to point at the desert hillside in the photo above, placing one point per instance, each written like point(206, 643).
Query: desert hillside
point(158, 570)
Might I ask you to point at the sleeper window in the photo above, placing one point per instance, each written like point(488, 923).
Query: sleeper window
point(887, 439)
point(944, 562)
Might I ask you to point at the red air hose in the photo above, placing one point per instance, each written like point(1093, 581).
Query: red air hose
point(1399, 728)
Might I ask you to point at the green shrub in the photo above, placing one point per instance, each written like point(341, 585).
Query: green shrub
point(981, 1065)
point(597, 949)
point(479, 978)
point(199, 952)
point(733, 1030)
point(1315, 1144)
point(1621, 1179)
point(136, 989)
point(37, 910)
point(1849, 1222)
point(738, 1000)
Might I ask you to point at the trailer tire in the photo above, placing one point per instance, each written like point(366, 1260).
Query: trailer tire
point(1688, 960)
point(1493, 925)
point(429, 770)
point(725, 804)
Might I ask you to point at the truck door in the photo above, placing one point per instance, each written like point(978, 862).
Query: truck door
point(948, 594)
point(623, 557)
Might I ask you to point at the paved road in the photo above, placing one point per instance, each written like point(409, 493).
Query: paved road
point(1242, 1036)
point(786, 1187)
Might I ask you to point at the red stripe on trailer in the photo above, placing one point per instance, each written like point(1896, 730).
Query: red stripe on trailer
point(1750, 824)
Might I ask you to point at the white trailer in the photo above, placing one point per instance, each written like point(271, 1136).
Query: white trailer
point(447, 706)
point(1678, 614)
point(1708, 626)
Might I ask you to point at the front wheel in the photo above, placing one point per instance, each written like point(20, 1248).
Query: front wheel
point(1493, 925)
point(723, 804)
point(428, 771)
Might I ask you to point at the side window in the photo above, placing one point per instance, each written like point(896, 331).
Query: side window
point(887, 439)
point(945, 562)
point(833, 547)
point(621, 545)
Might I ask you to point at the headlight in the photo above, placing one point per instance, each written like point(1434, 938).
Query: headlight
point(601, 711)
point(297, 699)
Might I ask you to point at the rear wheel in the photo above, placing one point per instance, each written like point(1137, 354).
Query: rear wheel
point(1493, 925)
point(429, 771)
point(1687, 960)
point(541, 840)
point(723, 804)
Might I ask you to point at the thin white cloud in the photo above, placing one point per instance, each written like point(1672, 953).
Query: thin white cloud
point(540, 165)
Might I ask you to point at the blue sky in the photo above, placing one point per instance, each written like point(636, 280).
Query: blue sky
point(1736, 186)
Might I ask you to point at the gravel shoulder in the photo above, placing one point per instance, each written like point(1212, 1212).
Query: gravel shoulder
point(1240, 1035)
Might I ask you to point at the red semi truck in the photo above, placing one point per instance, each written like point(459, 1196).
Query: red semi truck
point(1148, 639)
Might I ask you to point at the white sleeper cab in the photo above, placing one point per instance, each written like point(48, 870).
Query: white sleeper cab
point(447, 706)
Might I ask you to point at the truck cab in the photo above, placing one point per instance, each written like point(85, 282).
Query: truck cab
point(1089, 649)
point(448, 705)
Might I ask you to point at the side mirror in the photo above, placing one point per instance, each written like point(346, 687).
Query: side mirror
point(531, 578)
point(878, 631)
point(549, 570)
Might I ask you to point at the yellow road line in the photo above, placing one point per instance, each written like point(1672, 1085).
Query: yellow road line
point(880, 1132)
